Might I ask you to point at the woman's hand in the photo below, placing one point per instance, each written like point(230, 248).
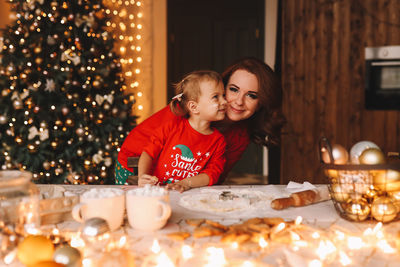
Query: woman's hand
point(147, 179)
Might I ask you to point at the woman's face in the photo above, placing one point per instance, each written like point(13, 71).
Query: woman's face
point(241, 95)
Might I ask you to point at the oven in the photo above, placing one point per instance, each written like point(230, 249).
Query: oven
point(382, 78)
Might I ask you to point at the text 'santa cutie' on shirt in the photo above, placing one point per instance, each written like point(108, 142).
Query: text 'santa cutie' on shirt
point(180, 152)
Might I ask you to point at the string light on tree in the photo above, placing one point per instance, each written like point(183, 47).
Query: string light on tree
point(62, 97)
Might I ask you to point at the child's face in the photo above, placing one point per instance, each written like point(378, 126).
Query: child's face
point(211, 103)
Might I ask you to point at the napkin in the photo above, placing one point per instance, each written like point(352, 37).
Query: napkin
point(294, 187)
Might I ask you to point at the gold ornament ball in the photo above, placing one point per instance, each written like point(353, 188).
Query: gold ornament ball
point(339, 154)
point(54, 144)
point(46, 165)
point(43, 125)
point(87, 164)
point(338, 193)
point(96, 84)
point(383, 209)
point(32, 148)
point(47, 264)
point(372, 156)
point(17, 104)
point(38, 60)
point(58, 171)
point(79, 152)
point(65, 111)
point(357, 209)
point(395, 196)
point(80, 132)
point(69, 122)
point(34, 249)
point(387, 181)
point(90, 178)
point(332, 174)
point(37, 49)
point(18, 140)
point(358, 148)
point(371, 193)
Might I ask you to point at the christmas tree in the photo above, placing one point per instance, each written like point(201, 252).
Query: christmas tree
point(63, 110)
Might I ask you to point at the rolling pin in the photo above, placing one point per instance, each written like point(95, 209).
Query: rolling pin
point(302, 198)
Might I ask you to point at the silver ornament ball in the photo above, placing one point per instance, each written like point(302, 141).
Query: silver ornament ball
point(69, 256)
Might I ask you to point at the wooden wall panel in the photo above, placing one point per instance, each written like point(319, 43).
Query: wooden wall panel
point(323, 68)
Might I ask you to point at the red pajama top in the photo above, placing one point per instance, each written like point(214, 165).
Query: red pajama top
point(179, 152)
point(236, 138)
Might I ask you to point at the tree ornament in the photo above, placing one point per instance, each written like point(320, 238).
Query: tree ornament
point(51, 40)
point(372, 156)
point(58, 171)
point(50, 85)
point(18, 140)
point(3, 119)
point(17, 104)
point(69, 122)
point(65, 110)
point(67, 255)
point(80, 132)
point(357, 209)
point(32, 148)
point(96, 233)
point(87, 164)
point(90, 178)
point(79, 152)
point(387, 180)
point(46, 165)
point(43, 124)
point(54, 144)
point(358, 148)
point(38, 60)
point(90, 137)
point(383, 209)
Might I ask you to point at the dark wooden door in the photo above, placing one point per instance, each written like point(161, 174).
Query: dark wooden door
point(211, 34)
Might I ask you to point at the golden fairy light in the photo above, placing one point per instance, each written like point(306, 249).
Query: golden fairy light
point(126, 26)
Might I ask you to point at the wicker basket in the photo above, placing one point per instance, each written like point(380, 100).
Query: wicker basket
point(365, 192)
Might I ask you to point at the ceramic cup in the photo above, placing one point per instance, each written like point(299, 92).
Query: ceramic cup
point(106, 203)
point(147, 208)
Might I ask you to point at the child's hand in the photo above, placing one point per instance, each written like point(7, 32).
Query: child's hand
point(147, 179)
point(178, 186)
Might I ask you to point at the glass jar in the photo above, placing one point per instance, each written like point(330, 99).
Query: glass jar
point(19, 200)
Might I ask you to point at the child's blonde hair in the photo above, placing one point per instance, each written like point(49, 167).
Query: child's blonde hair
point(188, 89)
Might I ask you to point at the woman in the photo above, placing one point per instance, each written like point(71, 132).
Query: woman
point(254, 99)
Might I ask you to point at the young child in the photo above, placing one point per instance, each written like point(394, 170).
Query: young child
point(187, 152)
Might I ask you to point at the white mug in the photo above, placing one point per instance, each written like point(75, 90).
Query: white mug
point(106, 203)
point(147, 211)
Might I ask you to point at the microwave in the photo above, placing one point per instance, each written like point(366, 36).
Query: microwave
point(382, 78)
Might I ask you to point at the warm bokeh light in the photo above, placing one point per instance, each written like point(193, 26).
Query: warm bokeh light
point(127, 29)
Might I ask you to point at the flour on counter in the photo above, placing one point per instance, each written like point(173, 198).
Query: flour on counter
point(226, 201)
